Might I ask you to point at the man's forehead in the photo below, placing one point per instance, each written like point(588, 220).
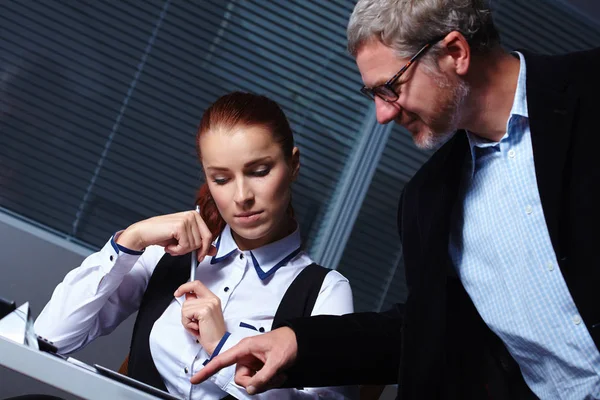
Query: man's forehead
point(377, 63)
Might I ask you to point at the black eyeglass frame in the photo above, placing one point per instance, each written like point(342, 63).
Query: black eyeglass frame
point(388, 87)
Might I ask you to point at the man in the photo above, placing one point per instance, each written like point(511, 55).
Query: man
point(498, 227)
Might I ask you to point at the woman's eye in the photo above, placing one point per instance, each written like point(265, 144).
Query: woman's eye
point(261, 172)
point(220, 181)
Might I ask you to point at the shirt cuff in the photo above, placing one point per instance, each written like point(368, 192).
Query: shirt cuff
point(218, 348)
point(118, 247)
point(113, 262)
point(224, 377)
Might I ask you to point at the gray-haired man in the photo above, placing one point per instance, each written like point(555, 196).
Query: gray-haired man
point(499, 227)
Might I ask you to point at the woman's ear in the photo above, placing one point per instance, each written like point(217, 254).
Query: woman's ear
point(295, 163)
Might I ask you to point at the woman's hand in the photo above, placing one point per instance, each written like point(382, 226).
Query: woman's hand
point(178, 233)
point(201, 314)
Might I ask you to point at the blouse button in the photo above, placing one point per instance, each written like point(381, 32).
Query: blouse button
point(186, 370)
point(241, 256)
point(226, 288)
point(111, 258)
point(261, 329)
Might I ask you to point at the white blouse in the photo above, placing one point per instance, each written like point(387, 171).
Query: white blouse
point(96, 297)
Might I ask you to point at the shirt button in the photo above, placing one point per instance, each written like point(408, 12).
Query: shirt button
point(511, 153)
point(197, 341)
point(528, 209)
point(550, 266)
point(241, 256)
point(226, 288)
point(261, 329)
point(186, 370)
point(576, 320)
point(111, 258)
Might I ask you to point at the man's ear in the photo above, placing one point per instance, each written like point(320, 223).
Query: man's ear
point(457, 54)
point(295, 163)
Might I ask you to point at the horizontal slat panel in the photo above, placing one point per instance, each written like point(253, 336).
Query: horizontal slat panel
point(118, 111)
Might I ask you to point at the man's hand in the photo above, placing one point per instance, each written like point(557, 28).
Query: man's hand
point(201, 314)
point(261, 360)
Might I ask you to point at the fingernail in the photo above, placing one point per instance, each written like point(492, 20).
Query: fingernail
point(251, 390)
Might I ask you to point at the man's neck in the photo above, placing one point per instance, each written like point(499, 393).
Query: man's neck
point(493, 84)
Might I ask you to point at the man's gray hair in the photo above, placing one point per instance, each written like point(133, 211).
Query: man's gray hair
point(406, 25)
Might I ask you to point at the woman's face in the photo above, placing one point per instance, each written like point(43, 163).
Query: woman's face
point(249, 179)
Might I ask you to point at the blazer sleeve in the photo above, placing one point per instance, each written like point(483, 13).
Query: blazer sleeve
point(359, 348)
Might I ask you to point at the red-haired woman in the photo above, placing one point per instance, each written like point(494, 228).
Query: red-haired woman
point(246, 148)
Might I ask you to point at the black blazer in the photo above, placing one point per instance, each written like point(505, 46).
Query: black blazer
point(439, 347)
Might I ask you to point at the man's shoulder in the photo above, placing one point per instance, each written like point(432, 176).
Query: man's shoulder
point(579, 67)
point(589, 55)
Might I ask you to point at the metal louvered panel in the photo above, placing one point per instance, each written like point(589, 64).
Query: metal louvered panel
point(546, 27)
point(101, 100)
point(372, 259)
point(374, 248)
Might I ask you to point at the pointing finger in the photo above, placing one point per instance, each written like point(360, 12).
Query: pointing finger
point(221, 361)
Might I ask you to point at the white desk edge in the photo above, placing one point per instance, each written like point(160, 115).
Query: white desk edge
point(64, 375)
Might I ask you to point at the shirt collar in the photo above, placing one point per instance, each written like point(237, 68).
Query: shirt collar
point(266, 259)
point(520, 103)
point(518, 109)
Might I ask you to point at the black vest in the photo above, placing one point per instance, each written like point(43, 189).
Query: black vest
point(172, 272)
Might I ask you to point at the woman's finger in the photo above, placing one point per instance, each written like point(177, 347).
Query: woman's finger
point(205, 237)
point(195, 287)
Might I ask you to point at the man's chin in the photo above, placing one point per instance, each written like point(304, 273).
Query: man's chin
point(426, 139)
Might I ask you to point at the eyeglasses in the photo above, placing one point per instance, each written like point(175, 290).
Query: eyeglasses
point(386, 91)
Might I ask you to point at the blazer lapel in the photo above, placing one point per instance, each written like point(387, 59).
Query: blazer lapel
point(438, 197)
point(551, 104)
point(430, 204)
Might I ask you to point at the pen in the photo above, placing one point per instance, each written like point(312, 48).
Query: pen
point(194, 262)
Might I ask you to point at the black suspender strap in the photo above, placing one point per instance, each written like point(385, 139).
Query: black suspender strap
point(300, 297)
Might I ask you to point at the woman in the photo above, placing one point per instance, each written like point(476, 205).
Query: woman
point(246, 149)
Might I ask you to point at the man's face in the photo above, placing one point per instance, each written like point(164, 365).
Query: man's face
point(428, 105)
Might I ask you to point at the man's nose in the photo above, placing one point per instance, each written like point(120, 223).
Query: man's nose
point(386, 112)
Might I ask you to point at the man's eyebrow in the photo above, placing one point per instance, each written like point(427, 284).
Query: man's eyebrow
point(379, 82)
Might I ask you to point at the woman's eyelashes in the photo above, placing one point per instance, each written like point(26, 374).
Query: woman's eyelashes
point(220, 181)
point(263, 171)
point(258, 172)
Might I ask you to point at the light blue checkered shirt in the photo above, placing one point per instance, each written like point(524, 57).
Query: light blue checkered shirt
point(503, 255)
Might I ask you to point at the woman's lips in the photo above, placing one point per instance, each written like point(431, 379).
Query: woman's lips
point(248, 217)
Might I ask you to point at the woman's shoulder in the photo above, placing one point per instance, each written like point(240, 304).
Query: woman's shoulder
point(332, 278)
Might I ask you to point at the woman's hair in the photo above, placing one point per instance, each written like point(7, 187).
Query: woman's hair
point(227, 113)
point(407, 25)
